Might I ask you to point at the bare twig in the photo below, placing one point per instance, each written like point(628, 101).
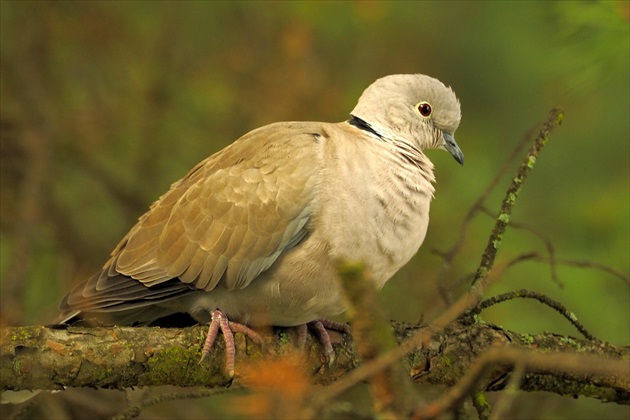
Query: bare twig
point(545, 300)
point(546, 241)
point(588, 264)
point(449, 255)
point(534, 256)
point(494, 242)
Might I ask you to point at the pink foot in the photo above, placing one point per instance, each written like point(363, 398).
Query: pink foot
point(319, 326)
point(220, 322)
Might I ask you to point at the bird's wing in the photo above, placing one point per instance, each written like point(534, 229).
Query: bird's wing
point(224, 223)
point(231, 217)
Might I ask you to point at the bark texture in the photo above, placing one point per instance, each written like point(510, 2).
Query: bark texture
point(36, 357)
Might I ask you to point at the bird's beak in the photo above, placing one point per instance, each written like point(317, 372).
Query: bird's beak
point(451, 145)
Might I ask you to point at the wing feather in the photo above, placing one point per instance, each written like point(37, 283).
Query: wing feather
point(232, 216)
point(224, 223)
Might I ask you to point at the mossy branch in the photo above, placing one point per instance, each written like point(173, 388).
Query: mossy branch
point(120, 357)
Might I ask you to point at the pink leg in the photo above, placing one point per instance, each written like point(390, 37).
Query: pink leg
point(220, 322)
point(320, 325)
point(213, 329)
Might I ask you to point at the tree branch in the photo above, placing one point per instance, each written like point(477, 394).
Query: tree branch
point(120, 357)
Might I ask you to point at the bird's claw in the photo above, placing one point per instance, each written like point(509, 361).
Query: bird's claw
point(220, 322)
point(320, 326)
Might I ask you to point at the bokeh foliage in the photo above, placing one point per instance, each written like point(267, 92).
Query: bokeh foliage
point(104, 104)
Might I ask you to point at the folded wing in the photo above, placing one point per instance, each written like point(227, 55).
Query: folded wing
point(223, 224)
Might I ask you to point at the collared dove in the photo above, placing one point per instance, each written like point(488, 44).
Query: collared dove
point(252, 233)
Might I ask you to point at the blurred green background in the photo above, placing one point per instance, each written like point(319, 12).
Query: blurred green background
point(105, 104)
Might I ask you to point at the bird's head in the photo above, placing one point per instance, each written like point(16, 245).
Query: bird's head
point(412, 108)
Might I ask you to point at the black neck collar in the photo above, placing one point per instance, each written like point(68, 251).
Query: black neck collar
point(359, 123)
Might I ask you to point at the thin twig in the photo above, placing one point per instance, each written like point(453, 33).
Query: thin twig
point(588, 264)
point(534, 256)
point(494, 242)
point(545, 300)
point(527, 256)
point(546, 241)
point(449, 255)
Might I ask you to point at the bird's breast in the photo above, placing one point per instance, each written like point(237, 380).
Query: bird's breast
point(374, 206)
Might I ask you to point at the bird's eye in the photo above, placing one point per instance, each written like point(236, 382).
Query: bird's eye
point(424, 109)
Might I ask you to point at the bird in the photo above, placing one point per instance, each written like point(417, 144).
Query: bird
point(251, 235)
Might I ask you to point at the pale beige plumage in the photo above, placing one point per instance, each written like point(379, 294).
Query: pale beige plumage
point(254, 229)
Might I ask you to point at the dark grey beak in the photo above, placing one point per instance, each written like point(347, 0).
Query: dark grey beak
point(451, 145)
